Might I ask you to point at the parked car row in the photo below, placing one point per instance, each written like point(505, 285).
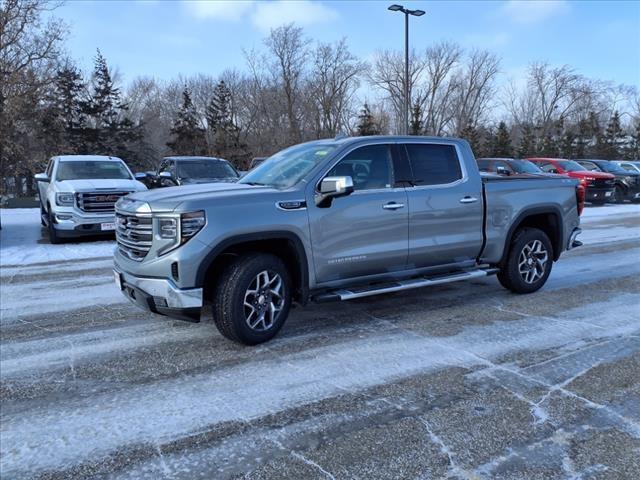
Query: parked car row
point(176, 171)
point(603, 180)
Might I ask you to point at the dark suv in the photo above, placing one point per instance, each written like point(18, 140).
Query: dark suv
point(627, 183)
point(174, 171)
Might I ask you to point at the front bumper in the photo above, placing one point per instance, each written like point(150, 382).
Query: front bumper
point(69, 220)
point(599, 194)
point(159, 295)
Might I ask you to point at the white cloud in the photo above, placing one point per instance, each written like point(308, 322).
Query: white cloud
point(228, 10)
point(302, 12)
point(533, 11)
point(264, 15)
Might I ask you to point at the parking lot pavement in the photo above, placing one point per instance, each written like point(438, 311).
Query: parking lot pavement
point(462, 380)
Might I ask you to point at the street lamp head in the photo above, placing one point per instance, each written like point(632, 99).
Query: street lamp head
point(396, 8)
point(417, 13)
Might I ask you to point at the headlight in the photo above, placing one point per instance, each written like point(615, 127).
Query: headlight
point(173, 231)
point(191, 223)
point(64, 199)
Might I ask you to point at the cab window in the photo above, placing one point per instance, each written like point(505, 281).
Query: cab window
point(370, 167)
point(434, 164)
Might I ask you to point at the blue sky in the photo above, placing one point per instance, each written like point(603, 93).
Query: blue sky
point(163, 39)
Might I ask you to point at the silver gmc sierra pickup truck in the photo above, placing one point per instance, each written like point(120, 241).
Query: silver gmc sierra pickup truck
point(336, 220)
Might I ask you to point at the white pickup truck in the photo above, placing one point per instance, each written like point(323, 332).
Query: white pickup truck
point(78, 194)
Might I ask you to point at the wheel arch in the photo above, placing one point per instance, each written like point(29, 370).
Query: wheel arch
point(284, 244)
point(547, 218)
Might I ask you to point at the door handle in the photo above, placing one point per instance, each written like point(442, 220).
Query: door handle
point(393, 206)
point(468, 199)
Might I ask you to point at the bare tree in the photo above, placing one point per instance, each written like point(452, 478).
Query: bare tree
point(332, 84)
point(475, 90)
point(30, 47)
point(436, 95)
point(289, 52)
point(387, 74)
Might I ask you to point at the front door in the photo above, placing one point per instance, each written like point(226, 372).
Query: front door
point(366, 232)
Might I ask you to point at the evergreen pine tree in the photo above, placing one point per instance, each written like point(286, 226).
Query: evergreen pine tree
point(633, 151)
point(527, 146)
point(612, 136)
point(549, 146)
point(108, 130)
point(224, 134)
point(416, 124)
point(567, 149)
point(502, 145)
point(188, 136)
point(366, 124)
point(66, 103)
point(471, 135)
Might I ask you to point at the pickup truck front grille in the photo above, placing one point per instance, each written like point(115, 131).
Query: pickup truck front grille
point(134, 234)
point(99, 202)
point(602, 183)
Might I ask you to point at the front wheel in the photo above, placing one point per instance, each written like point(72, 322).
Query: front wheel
point(252, 298)
point(54, 238)
point(529, 261)
point(618, 195)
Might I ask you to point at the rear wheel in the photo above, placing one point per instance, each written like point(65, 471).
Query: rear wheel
point(529, 261)
point(252, 298)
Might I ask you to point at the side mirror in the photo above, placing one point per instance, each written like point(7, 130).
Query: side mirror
point(553, 170)
point(333, 187)
point(502, 171)
point(166, 175)
point(141, 176)
point(41, 177)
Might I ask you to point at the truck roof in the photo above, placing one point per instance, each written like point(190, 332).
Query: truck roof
point(194, 157)
point(86, 158)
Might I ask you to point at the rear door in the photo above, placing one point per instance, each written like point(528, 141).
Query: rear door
point(364, 233)
point(445, 207)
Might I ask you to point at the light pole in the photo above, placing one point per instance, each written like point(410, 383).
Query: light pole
point(407, 12)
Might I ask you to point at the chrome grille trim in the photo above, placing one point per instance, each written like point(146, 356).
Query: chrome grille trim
point(134, 234)
point(99, 202)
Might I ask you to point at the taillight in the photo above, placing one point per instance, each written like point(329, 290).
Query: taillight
point(580, 195)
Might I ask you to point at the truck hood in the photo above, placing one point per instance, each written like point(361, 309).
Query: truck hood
point(584, 174)
point(98, 184)
point(168, 199)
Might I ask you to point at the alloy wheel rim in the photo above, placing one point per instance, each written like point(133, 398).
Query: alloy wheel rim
point(532, 261)
point(263, 300)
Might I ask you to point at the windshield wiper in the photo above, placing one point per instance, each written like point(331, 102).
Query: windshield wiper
point(255, 183)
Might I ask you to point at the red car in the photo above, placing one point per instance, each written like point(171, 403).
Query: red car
point(599, 186)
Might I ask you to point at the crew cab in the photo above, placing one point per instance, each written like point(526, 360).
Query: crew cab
point(175, 171)
point(337, 220)
point(78, 194)
point(600, 187)
point(508, 166)
point(627, 184)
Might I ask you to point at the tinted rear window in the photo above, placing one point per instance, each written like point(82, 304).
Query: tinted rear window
point(434, 164)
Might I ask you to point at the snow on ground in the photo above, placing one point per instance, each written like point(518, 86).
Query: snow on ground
point(21, 227)
point(61, 431)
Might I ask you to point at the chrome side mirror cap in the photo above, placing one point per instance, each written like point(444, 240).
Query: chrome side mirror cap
point(333, 187)
point(41, 177)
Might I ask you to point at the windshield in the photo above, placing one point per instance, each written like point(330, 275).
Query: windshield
point(92, 170)
point(571, 166)
point(611, 167)
point(289, 166)
point(524, 166)
point(204, 169)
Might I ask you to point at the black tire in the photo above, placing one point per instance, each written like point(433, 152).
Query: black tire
point(230, 313)
point(54, 238)
point(510, 275)
point(618, 195)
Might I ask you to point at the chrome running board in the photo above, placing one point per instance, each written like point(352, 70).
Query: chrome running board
point(390, 287)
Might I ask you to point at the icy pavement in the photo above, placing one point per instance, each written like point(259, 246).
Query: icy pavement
point(461, 381)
